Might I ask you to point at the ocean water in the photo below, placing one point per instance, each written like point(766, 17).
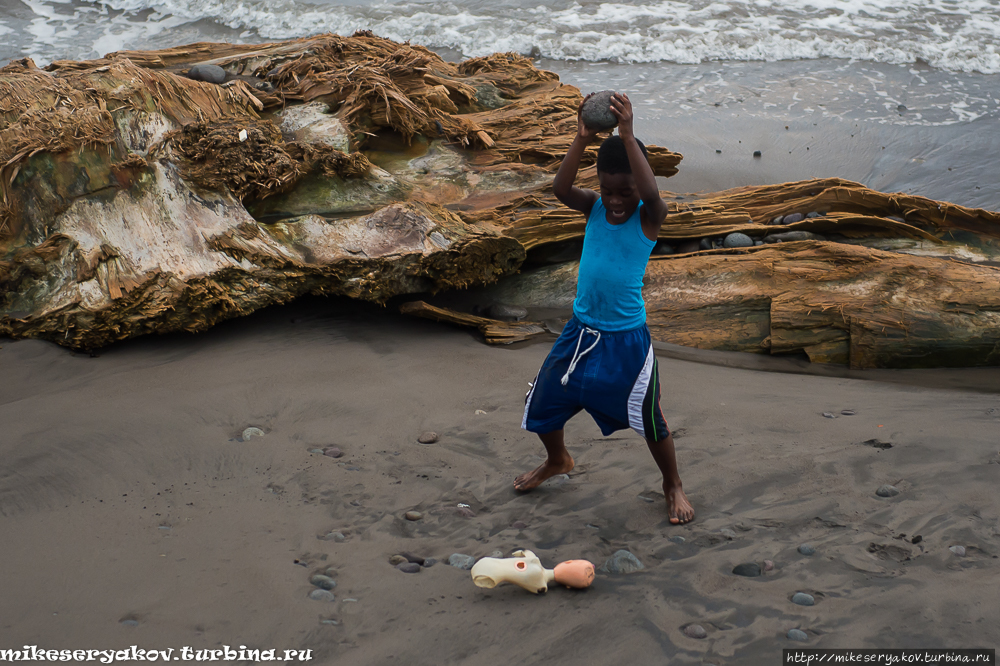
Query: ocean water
point(899, 94)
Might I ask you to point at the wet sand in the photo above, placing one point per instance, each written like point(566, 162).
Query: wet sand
point(125, 497)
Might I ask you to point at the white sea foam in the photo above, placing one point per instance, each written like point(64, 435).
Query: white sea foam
point(951, 35)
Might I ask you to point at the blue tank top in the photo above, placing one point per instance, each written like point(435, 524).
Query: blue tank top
point(609, 286)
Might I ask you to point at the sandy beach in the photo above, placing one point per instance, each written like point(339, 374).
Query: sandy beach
point(132, 514)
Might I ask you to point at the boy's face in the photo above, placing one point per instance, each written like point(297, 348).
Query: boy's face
point(619, 194)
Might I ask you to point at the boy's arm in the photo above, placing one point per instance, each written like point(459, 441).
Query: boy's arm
point(570, 195)
point(645, 181)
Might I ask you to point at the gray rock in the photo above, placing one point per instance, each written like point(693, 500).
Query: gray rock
point(757, 153)
point(207, 73)
point(829, 415)
point(803, 599)
point(958, 550)
point(315, 450)
point(337, 536)
point(789, 236)
point(758, 242)
point(429, 562)
point(323, 582)
point(622, 562)
point(806, 549)
point(413, 515)
point(705, 244)
point(792, 218)
point(252, 432)
point(428, 437)
point(695, 631)
point(728, 533)
point(748, 569)
point(322, 595)
point(409, 567)
point(813, 215)
point(778, 220)
point(797, 635)
point(737, 239)
point(848, 412)
point(506, 312)
point(332, 452)
point(596, 111)
point(497, 554)
point(887, 491)
point(460, 561)
point(519, 525)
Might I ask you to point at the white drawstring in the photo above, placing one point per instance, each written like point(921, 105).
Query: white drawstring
point(577, 355)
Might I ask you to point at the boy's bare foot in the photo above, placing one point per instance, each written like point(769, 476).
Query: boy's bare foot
point(679, 509)
point(549, 468)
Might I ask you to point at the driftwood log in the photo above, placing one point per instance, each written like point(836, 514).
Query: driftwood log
point(136, 200)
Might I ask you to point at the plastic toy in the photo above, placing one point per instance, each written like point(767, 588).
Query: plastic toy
point(524, 568)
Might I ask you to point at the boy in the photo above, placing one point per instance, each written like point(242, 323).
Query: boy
point(603, 361)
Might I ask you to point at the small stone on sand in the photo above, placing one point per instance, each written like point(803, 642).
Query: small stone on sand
point(705, 244)
point(748, 569)
point(413, 515)
point(323, 582)
point(129, 623)
point(757, 153)
point(519, 525)
point(460, 561)
point(622, 562)
point(887, 491)
point(695, 631)
point(803, 599)
point(207, 73)
point(321, 595)
point(848, 412)
point(916, 539)
point(409, 567)
point(429, 562)
point(806, 549)
point(252, 432)
point(797, 635)
point(958, 550)
point(778, 220)
point(768, 565)
point(505, 312)
point(428, 437)
point(829, 415)
point(677, 539)
point(792, 218)
point(596, 112)
point(337, 536)
point(315, 450)
point(497, 554)
point(813, 215)
point(728, 533)
point(396, 560)
point(333, 452)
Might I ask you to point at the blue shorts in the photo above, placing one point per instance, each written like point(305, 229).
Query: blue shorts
point(615, 378)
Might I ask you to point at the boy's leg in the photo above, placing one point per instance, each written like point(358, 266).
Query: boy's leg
point(557, 461)
point(679, 509)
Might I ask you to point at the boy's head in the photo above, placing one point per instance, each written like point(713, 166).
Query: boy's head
point(614, 173)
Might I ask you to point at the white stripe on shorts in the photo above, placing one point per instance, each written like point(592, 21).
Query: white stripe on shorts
point(638, 395)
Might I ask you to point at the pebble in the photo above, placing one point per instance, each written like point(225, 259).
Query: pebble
point(813, 215)
point(887, 491)
point(768, 565)
point(737, 240)
point(519, 525)
point(207, 73)
point(409, 567)
point(410, 557)
point(792, 218)
point(323, 582)
point(829, 415)
point(757, 153)
point(958, 550)
point(806, 549)
point(803, 599)
point(315, 450)
point(333, 452)
point(678, 539)
point(506, 312)
point(695, 631)
point(321, 595)
point(748, 569)
point(916, 539)
point(797, 635)
point(728, 533)
point(429, 562)
point(778, 220)
point(596, 111)
point(758, 242)
point(848, 412)
point(461, 561)
point(251, 431)
point(428, 437)
point(787, 236)
point(330, 622)
point(622, 562)
point(413, 515)
point(396, 560)
point(129, 623)
point(705, 244)
point(337, 536)
point(497, 554)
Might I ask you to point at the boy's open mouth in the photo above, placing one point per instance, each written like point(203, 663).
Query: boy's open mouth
point(618, 214)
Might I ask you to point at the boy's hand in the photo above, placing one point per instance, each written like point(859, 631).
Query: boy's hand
point(622, 108)
point(582, 131)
